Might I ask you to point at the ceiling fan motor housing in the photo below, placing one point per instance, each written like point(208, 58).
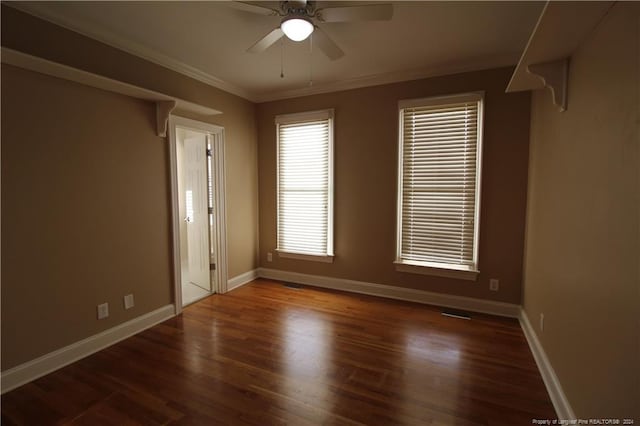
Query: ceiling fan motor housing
point(298, 7)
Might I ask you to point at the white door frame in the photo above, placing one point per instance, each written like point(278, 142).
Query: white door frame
point(220, 211)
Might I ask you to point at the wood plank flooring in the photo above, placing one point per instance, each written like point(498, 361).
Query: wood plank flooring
point(268, 354)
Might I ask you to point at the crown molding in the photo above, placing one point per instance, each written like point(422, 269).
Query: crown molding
point(134, 49)
point(164, 103)
point(393, 77)
point(260, 97)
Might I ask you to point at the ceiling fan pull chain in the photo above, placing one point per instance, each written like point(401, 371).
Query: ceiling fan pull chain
point(311, 60)
point(282, 58)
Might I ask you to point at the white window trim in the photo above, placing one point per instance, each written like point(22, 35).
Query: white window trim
point(435, 268)
point(326, 114)
point(300, 256)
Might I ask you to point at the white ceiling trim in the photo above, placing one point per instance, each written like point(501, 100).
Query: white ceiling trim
point(65, 72)
point(394, 77)
point(197, 74)
point(136, 50)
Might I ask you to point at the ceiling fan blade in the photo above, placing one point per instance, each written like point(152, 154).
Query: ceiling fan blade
point(374, 12)
point(265, 42)
point(252, 8)
point(327, 45)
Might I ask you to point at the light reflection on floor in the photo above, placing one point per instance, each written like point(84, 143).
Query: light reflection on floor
point(435, 352)
point(307, 337)
point(422, 345)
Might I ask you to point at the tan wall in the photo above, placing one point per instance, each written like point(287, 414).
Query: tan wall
point(85, 212)
point(366, 140)
point(85, 190)
point(583, 226)
point(26, 33)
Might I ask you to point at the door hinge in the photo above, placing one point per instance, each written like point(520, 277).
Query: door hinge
point(208, 153)
point(212, 266)
point(210, 210)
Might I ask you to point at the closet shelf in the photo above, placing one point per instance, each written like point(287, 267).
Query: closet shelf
point(560, 30)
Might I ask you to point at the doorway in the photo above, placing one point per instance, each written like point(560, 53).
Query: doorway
point(197, 175)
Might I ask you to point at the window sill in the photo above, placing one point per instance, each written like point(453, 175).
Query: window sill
point(311, 257)
point(437, 270)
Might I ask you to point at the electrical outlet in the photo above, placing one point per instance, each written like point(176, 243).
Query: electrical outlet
point(494, 284)
point(541, 322)
point(269, 257)
point(128, 301)
point(103, 311)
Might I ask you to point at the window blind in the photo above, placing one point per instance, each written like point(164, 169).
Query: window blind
point(305, 183)
point(439, 198)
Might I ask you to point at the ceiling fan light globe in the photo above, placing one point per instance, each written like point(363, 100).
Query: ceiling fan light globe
point(296, 28)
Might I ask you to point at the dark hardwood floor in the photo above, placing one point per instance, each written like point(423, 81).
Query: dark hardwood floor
point(267, 354)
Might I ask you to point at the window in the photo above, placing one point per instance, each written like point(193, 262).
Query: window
point(305, 185)
point(440, 152)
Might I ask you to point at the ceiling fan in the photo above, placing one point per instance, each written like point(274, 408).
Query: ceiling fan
point(298, 22)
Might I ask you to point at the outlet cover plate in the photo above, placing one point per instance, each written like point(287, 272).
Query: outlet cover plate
point(128, 301)
point(494, 284)
point(103, 311)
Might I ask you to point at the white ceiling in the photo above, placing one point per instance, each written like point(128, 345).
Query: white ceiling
point(208, 41)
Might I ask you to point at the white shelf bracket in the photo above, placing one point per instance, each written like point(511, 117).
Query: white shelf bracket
point(163, 109)
point(554, 76)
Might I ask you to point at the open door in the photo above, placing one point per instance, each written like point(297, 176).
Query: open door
point(198, 204)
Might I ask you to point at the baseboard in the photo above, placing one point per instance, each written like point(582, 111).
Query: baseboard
point(391, 292)
point(242, 279)
point(558, 398)
point(31, 370)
